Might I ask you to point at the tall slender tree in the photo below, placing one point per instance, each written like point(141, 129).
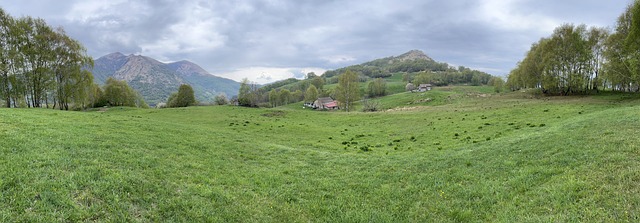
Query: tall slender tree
point(311, 94)
point(6, 24)
point(348, 90)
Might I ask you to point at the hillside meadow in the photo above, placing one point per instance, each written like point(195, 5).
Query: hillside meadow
point(455, 154)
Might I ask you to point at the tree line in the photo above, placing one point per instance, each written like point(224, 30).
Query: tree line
point(450, 76)
point(580, 60)
point(346, 93)
point(41, 66)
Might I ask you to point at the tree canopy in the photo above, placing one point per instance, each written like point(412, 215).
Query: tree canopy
point(579, 60)
point(41, 66)
point(119, 93)
point(185, 97)
point(348, 90)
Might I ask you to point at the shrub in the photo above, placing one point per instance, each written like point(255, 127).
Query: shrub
point(370, 106)
point(183, 98)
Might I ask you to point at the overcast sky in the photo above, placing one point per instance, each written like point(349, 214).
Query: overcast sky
point(268, 40)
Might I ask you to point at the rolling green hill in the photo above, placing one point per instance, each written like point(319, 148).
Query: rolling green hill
point(397, 71)
point(463, 156)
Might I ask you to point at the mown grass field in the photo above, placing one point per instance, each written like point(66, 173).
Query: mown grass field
point(465, 155)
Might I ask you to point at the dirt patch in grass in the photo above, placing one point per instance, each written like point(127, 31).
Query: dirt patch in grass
point(275, 114)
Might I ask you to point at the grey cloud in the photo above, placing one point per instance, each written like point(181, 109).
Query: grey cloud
point(309, 33)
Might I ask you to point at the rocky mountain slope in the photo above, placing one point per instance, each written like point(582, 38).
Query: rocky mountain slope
point(156, 80)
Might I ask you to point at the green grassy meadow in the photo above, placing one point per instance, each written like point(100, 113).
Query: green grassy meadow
point(464, 155)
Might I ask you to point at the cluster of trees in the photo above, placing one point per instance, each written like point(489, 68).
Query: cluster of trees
point(578, 60)
point(117, 93)
point(284, 97)
point(498, 84)
point(281, 92)
point(41, 66)
point(377, 88)
point(462, 75)
point(347, 92)
point(185, 97)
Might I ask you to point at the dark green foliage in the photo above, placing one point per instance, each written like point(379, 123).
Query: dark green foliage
point(119, 93)
point(377, 88)
point(311, 94)
point(183, 98)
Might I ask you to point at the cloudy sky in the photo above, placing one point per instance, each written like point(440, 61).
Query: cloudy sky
point(268, 40)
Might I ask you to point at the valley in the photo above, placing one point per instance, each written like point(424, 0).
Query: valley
point(466, 155)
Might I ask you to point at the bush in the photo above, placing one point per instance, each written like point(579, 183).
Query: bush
point(370, 106)
point(119, 93)
point(183, 98)
point(221, 99)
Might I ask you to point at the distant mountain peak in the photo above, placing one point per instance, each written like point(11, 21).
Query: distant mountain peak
point(413, 55)
point(115, 55)
point(188, 68)
point(156, 80)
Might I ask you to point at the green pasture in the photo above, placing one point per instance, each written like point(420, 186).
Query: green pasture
point(465, 155)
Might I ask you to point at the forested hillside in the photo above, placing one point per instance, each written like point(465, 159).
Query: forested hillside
point(412, 62)
point(375, 78)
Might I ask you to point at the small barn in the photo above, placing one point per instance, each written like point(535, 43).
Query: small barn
point(325, 103)
point(424, 87)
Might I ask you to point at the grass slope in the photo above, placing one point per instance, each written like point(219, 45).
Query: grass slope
point(467, 158)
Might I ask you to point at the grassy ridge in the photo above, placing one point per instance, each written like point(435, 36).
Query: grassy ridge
point(464, 156)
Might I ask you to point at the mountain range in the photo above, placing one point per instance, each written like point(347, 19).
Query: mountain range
point(156, 80)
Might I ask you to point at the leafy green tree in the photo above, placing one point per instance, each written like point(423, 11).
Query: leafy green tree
point(597, 39)
point(497, 83)
point(377, 88)
point(248, 95)
point(407, 77)
point(221, 99)
point(119, 93)
point(95, 96)
point(297, 96)
point(284, 96)
point(632, 41)
point(6, 25)
point(311, 94)
point(422, 78)
point(185, 97)
point(560, 64)
point(348, 90)
point(311, 75)
point(41, 66)
point(318, 82)
point(274, 98)
point(618, 70)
